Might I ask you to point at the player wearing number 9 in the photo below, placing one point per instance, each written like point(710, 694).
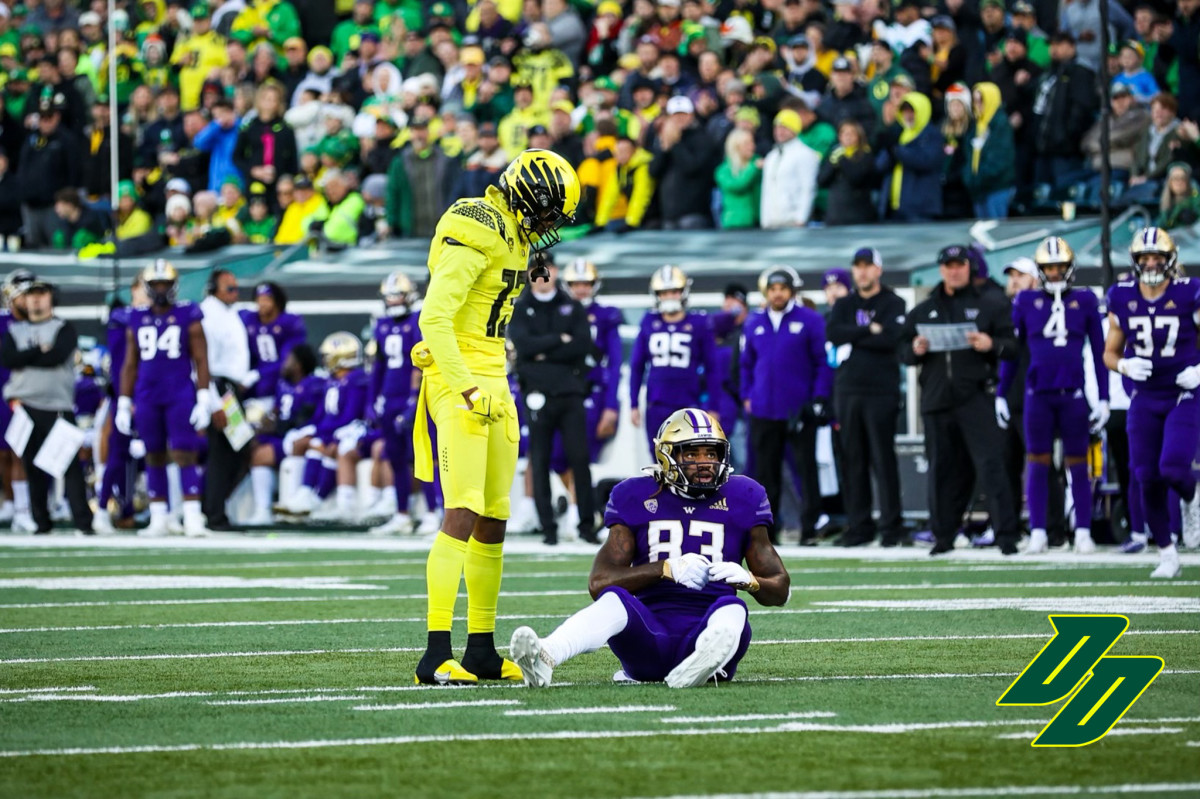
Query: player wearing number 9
point(666, 580)
point(1055, 321)
point(1152, 338)
point(164, 342)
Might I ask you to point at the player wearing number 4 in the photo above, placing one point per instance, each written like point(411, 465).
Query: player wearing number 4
point(164, 342)
point(1152, 340)
point(666, 580)
point(1055, 320)
point(477, 267)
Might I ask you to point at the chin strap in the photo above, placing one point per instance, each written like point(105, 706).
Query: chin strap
point(540, 270)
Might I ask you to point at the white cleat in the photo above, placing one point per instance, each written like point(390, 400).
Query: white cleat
point(102, 523)
point(328, 512)
point(568, 528)
point(1191, 522)
point(23, 523)
point(384, 509)
point(431, 522)
point(399, 524)
point(1168, 565)
point(1084, 545)
point(261, 518)
point(1038, 543)
point(526, 651)
point(175, 525)
point(714, 647)
point(304, 502)
point(156, 529)
point(196, 529)
point(524, 519)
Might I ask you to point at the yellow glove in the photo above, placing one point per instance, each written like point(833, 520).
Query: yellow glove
point(421, 357)
point(485, 408)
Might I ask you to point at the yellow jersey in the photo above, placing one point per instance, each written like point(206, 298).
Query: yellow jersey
point(477, 264)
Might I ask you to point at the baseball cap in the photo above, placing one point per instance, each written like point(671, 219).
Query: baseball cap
point(539, 130)
point(179, 184)
point(905, 80)
point(868, 255)
point(258, 193)
point(799, 40)
point(294, 41)
point(955, 252)
point(471, 55)
point(1025, 266)
point(89, 18)
point(564, 106)
point(841, 64)
point(52, 102)
point(609, 7)
point(303, 182)
point(997, 3)
point(1017, 35)
point(737, 291)
point(943, 21)
point(789, 119)
point(782, 275)
point(200, 11)
point(487, 129)
point(837, 276)
point(126, 188)
point(1121, 90)
point(680, 105)
point(1022, 7)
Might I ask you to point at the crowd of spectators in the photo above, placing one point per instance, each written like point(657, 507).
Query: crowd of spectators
point(354, 121)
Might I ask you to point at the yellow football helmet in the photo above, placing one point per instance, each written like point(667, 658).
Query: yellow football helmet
point(160, 281)
point(340, 351)
point(670, 278)
point(685, 428)
point(399, 294)
point(780, 273)
point(1055, 250)
point(1154, 241)
point(542, 189)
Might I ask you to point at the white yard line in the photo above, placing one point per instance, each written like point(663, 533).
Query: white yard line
point(264, 623)
point(6, 691)
point(441, 705)
point(963, 793)
point(1031, 734)
point(292, 700)
point(591, 711)
point(807, 714)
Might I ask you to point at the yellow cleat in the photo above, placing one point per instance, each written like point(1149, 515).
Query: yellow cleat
point(511, 671)
point(451, 672)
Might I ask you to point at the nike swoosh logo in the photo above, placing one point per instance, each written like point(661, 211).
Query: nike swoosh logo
point(442, 677)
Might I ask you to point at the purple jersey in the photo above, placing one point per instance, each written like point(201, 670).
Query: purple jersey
point(89, 392)
point(666, 525)
point(681, 357)
point(392, 375)
point(118, 324)
point(605, 376)
point(270, 343)
point(1163, 330)
point(296, 405)
point(164, 351)
point(1056, 334)
point(345, 401)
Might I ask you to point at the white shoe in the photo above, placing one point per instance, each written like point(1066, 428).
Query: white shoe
point(175, 525)
point(1084, 545)
point(526, 651)
point(1191, 522)
point(327, 512)
point(385, 508)
point(61, 512)
point(524, 519)
point(714, 647)
point(102, 523)
point(23, 523)
point(196, 529)
point(304, 502)
point(156, 529)
point(621, 678)
point(399, 524)
point(431, 522)
point(261, 518)
point(1038, 543)
point(1168, 565)
point(7, 511)
point(568, 528)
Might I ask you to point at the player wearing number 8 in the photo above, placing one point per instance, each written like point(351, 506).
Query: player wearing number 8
point(667, 578)
point(1152, 340)
point(477, 267)
point(1055, 320)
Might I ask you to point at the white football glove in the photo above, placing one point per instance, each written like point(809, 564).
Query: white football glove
point(732, 573)
point(1189, 378)
point(1098, 417)
point(252, 377)
point(1003, 416)
point(124, 416)
point(690, 570)
point(1136, 369)
point(201, 412)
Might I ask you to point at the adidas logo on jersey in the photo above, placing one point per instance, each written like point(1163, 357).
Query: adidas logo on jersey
point(719, 505)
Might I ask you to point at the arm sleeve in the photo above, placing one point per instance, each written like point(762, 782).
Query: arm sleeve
point(527, 343)
point(1004, 339)
point(840, 329)
point(451, 279)
point(892, 322)
point(10, 356)
point(904, 346)
point(612, 352)
point(65, 344)
point(746, 366)
point(581, 344)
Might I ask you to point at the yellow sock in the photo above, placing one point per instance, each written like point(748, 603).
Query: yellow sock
point(443, 570)
point(482, 569)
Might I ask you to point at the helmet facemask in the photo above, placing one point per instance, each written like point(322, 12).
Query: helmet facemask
point(688, 476)
point(1060, 285)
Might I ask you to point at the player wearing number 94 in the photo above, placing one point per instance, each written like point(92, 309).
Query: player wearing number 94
point(1152, 340)
point(163, 343)
point(477, 268)
point(667, 578)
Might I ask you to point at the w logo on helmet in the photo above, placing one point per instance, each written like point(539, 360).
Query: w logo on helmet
point(701, 422)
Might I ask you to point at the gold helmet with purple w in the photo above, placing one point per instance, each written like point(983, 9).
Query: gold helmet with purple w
point(685, 429)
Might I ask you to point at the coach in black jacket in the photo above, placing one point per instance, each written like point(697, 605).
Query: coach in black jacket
point(553, 342)
point(958, 400)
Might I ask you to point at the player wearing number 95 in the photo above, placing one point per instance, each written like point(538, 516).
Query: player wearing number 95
point(1055, 320)
point(666, 580)
point(163, 343)
point(477, 266)
point(1152, 341)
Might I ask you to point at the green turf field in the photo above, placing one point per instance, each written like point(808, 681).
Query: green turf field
point(283, 667)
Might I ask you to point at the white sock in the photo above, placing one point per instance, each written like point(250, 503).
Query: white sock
point(1083, 532)
point(731, 616)
point(21, 495)
point(262, 480)
point(587, 630)
point(158, 511)
point(1141, 537)
point(192, 514)
point(1168, 554)
point(347, 497)
point(371, 495)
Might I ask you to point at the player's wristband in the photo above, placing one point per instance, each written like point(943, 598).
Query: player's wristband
point(753, 586)
point(666, 571)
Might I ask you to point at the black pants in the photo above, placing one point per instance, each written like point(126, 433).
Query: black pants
point(223, 470)
point(1118, 449)
point(40, 482)
point(768, 437)
point(955, 440)
point(868, 434)
point(565, 415)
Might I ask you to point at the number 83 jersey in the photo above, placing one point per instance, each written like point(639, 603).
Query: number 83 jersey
point(666, 525)
point(1162, 330)
point(164, 351)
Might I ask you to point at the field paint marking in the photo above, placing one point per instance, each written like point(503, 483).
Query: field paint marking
point(1031, 734)
point(572, 711)
point(808, 714)
point(901, 638)
point(46, 690)
point(928, 676)
point(1122, 604)
point(55, 697)
point(62, 695)
point(961, 793)
point(265, 623)
point(185, 582)
point(581, 593)
point(439, 705)
point(247, 564)
point(291, 700)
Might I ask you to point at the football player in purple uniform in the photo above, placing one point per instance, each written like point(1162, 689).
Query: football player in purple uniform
point(339, 415)
point(11, 469)
point(1152, 340)
point(163, 343)
point(1056, 321)
point(677, 347)
point(272, 332)
point(666, 580)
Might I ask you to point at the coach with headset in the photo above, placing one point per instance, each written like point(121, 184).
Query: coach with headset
point(229, 366)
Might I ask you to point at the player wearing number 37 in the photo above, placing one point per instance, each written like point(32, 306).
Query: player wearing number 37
point(667, 579)
point(1152, 342)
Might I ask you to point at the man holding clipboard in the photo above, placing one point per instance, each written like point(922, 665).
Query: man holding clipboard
point(957, 336)
point(40, 351)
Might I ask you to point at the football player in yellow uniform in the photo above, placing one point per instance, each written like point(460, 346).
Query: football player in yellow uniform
point(477, 264)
